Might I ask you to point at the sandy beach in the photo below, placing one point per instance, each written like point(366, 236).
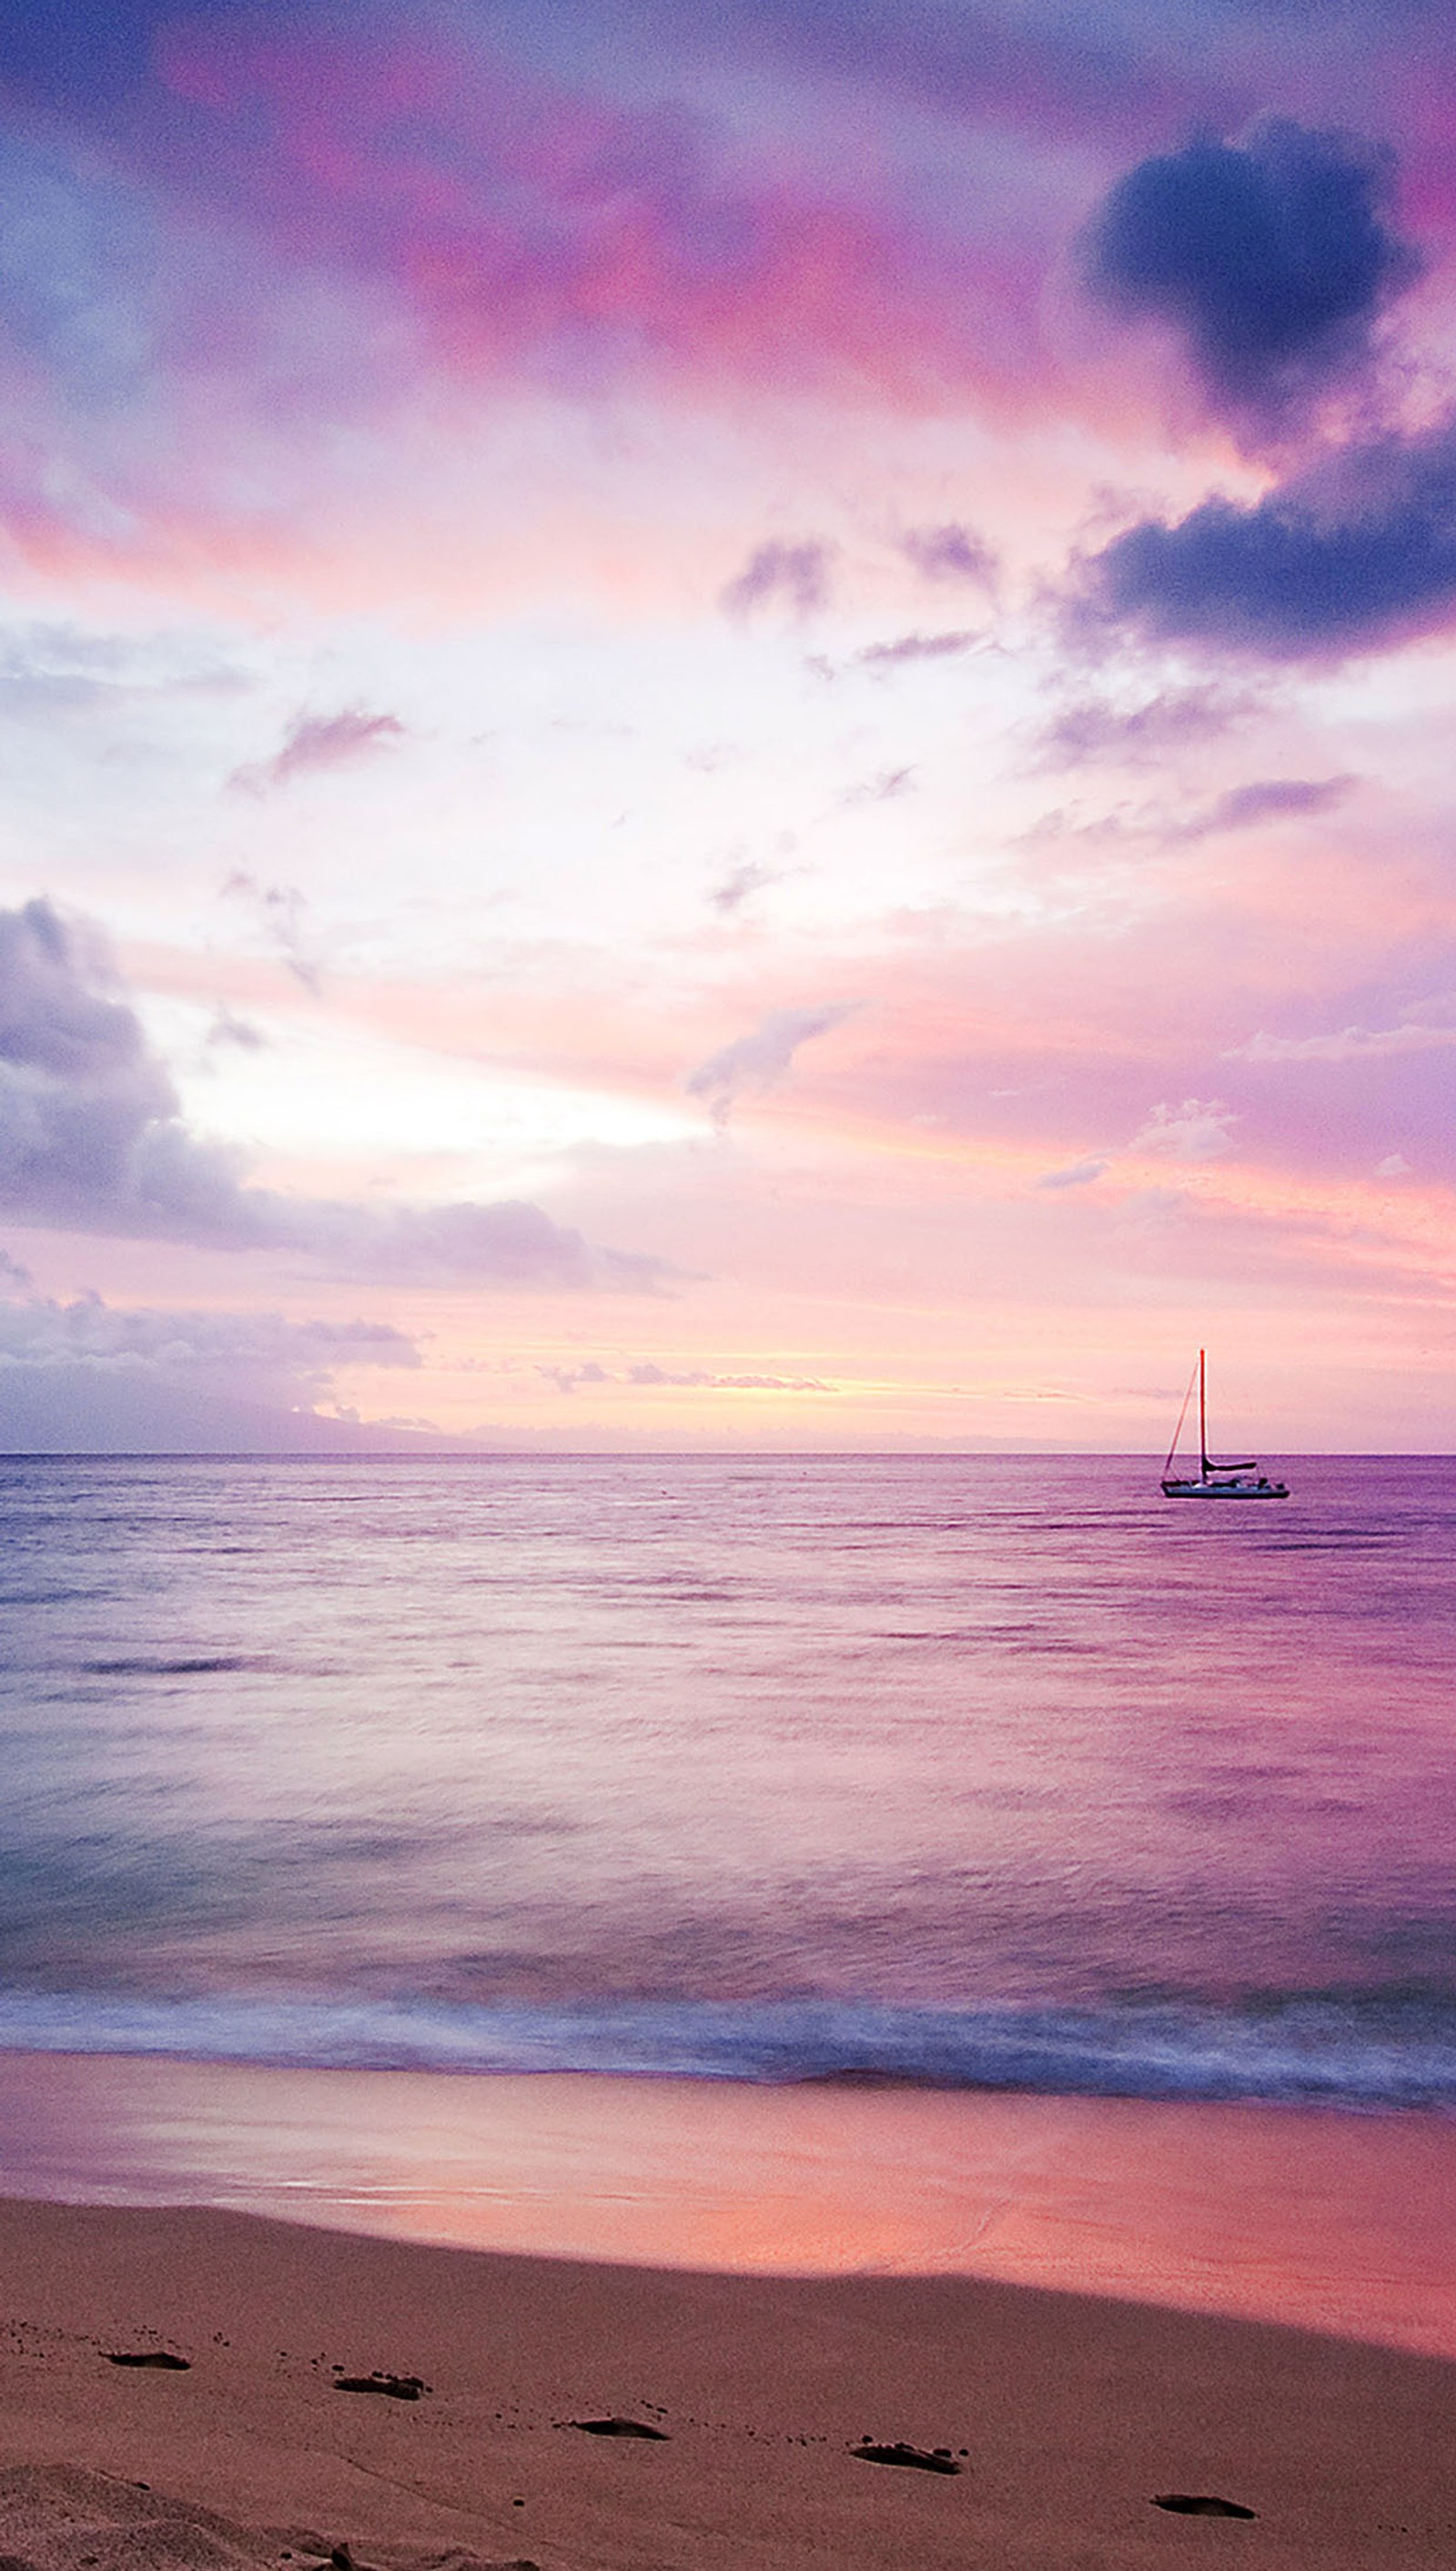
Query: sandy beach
point(1085, 2306)
point(1068, 2416)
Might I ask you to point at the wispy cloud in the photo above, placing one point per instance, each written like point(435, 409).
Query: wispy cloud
point(1199, 1130)
point(916, 647)
point(281, 912)
point(318, 741)
point(240, 1035)
point(1347, 1043)
point(646, 1376)
point(756, 1062)
point(795, 576)
point(1272, 798)
point(883, 788)
point(951, 553)
point(1173, 720)
point(740, 883)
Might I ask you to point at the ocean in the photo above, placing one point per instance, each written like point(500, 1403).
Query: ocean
point(966, 1772)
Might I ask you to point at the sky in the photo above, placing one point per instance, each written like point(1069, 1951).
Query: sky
point(726, 728)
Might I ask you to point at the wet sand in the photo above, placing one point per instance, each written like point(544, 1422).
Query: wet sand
point(1331, 2222)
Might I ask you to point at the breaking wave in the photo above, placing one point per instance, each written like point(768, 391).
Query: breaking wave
point(1369, 2051)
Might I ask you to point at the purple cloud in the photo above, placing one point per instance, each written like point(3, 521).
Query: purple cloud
point(950, 553)
point(92, 1140)
point(916, 647)
point(796, 574)
point(883, 788)
point(736, 887)
point(1146, 732)
point(229, 1029)
point(1272, 798)
point(1355, 554)
point(1272, 258)
point(87, 1377)
point(322, 741)
point(758, 1060)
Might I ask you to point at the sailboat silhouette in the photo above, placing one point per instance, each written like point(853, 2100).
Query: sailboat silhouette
point(1240, 1480)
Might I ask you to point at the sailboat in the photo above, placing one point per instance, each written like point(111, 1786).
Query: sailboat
point(1236, 1481)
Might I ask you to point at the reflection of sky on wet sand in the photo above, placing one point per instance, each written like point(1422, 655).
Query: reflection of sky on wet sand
point(1329, 2222)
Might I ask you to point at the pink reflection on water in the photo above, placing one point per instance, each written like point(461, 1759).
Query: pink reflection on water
point(1329, 2222)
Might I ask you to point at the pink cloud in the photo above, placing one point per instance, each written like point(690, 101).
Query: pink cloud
point(317, 741)
point(1199, 1130)
point(526, 225)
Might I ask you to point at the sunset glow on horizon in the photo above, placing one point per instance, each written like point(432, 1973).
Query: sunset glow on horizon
point(727, 732)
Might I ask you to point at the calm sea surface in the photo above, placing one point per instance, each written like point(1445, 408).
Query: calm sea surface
point(977, 1772)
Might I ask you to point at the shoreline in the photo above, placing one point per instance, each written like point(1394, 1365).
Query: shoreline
point(1068, 2415)
point(1316, 2219)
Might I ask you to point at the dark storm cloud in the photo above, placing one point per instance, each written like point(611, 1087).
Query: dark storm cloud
point(1273, 258)
point(794, 574)
point(1358, 553)
point(92, 1139)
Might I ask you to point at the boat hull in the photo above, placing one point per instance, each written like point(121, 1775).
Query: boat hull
point(1198, 1490)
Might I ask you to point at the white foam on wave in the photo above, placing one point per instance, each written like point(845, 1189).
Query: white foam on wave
point(1355, 2053)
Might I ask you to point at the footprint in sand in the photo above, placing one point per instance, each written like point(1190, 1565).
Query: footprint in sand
point(1200, 2504)
point(619, 2428)
point(160, 2358)
point(396, 2387)
point(935, 2459)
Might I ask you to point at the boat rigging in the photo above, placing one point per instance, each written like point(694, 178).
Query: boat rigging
point(1239, 1481)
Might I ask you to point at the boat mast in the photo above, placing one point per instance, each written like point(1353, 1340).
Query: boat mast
point(1202, 1421)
